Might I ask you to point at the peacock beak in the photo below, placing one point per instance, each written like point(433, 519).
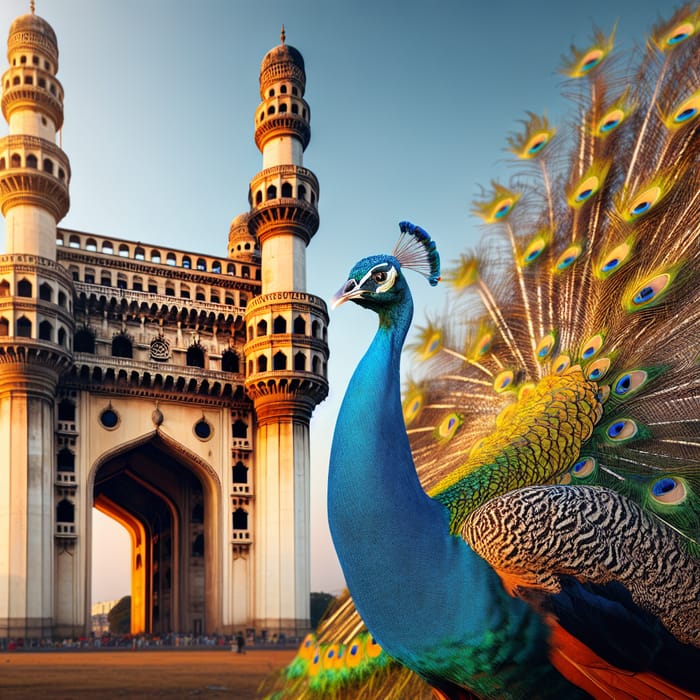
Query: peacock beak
point(350, 290)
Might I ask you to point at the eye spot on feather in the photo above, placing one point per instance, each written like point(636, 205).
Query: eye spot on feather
point(685, 112)
point(533, 251)
point(679, 33)
point(568, 257)
point(484, 344)
point(449, 426)
point(668, 491)
point(586, 190)
point(592, 346)
point(561, 364)
point(643, 202)
point(503, 381)
point(412, 407)
point(590, 61)
point(583, 468)
point(617, 257)
point(535, 145)
point(544, 347)
point(598, 369)
point(629, 382)
point(373, 649)
point(650, 292)
point(610, 121)
point(621, 430)
point(432, 346)
point(503, 208)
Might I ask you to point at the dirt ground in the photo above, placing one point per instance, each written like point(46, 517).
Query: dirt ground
point(137, 675)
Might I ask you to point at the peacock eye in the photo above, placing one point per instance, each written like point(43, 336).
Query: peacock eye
point(379, 277)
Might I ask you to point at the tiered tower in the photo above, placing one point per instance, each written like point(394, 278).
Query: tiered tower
point(286, 350)
point(36, 330)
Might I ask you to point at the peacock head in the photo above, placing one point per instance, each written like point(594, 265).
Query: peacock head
point(377, 283)
point(373, 282)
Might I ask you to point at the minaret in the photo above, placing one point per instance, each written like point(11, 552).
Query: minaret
point(36, 333)
point(286, 349)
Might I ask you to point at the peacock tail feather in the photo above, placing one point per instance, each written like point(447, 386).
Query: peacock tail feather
point(568, 369)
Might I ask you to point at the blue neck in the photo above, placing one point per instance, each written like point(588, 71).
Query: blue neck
point(418, 588)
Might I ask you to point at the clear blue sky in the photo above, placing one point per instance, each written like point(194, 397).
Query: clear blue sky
point(410, 106)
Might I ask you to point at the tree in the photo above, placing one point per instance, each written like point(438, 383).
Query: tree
point(320, 602)
point(119, 617)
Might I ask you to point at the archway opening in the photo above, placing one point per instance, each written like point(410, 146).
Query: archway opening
point(163, 506)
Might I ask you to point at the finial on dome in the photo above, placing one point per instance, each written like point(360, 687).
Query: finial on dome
point(31, 6)
point(283, 36)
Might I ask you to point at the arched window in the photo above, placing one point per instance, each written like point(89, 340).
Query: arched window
point(316, 365)
point(107, 248)
point(62, 336)
point(48, 166)
point(4, 288)
point(240, 519)
point(283, 89)
point(299, 325)
point(271, 109)
point(65, 512)
point(295, 108)
point(279, 361)
point(261, 328)
point(262, 363)
point(271, 192)
point(170, 259)
point(155, 256)
point(91, 244)
point(216, 267)
point(4, 327)
point(32, 161)
point(239, 429)
point(105, 279)
point(286, 189)
point(283, 108)
point(74, 242)
point(123, 251)
point(186, 262)
point(258, 197)
point(84, 341)
point(301, 192)
point(230, 362)
point(24, 288)
point(15, 160)
point(139, 253)
point(240, 473)
point(2, 164)
point(195, 356)
point(279, 325)
point(45, 331)
point(300, 362)
point(198, 546)
point(121, 346)
point(66, 410)
point(24, 327)
point(201, 264)
point(65, 460)
point(315, 326)
point(198, 513)
point(62, 299)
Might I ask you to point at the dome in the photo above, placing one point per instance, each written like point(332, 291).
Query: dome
point(33, 33)
point(284, 62)
point(282, 54)
point(34, 23)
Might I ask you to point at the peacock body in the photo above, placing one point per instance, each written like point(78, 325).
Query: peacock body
point(524, 521)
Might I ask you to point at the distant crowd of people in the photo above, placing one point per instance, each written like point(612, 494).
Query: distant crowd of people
point(236, 642)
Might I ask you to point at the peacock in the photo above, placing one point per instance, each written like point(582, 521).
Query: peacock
point(521, 518)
